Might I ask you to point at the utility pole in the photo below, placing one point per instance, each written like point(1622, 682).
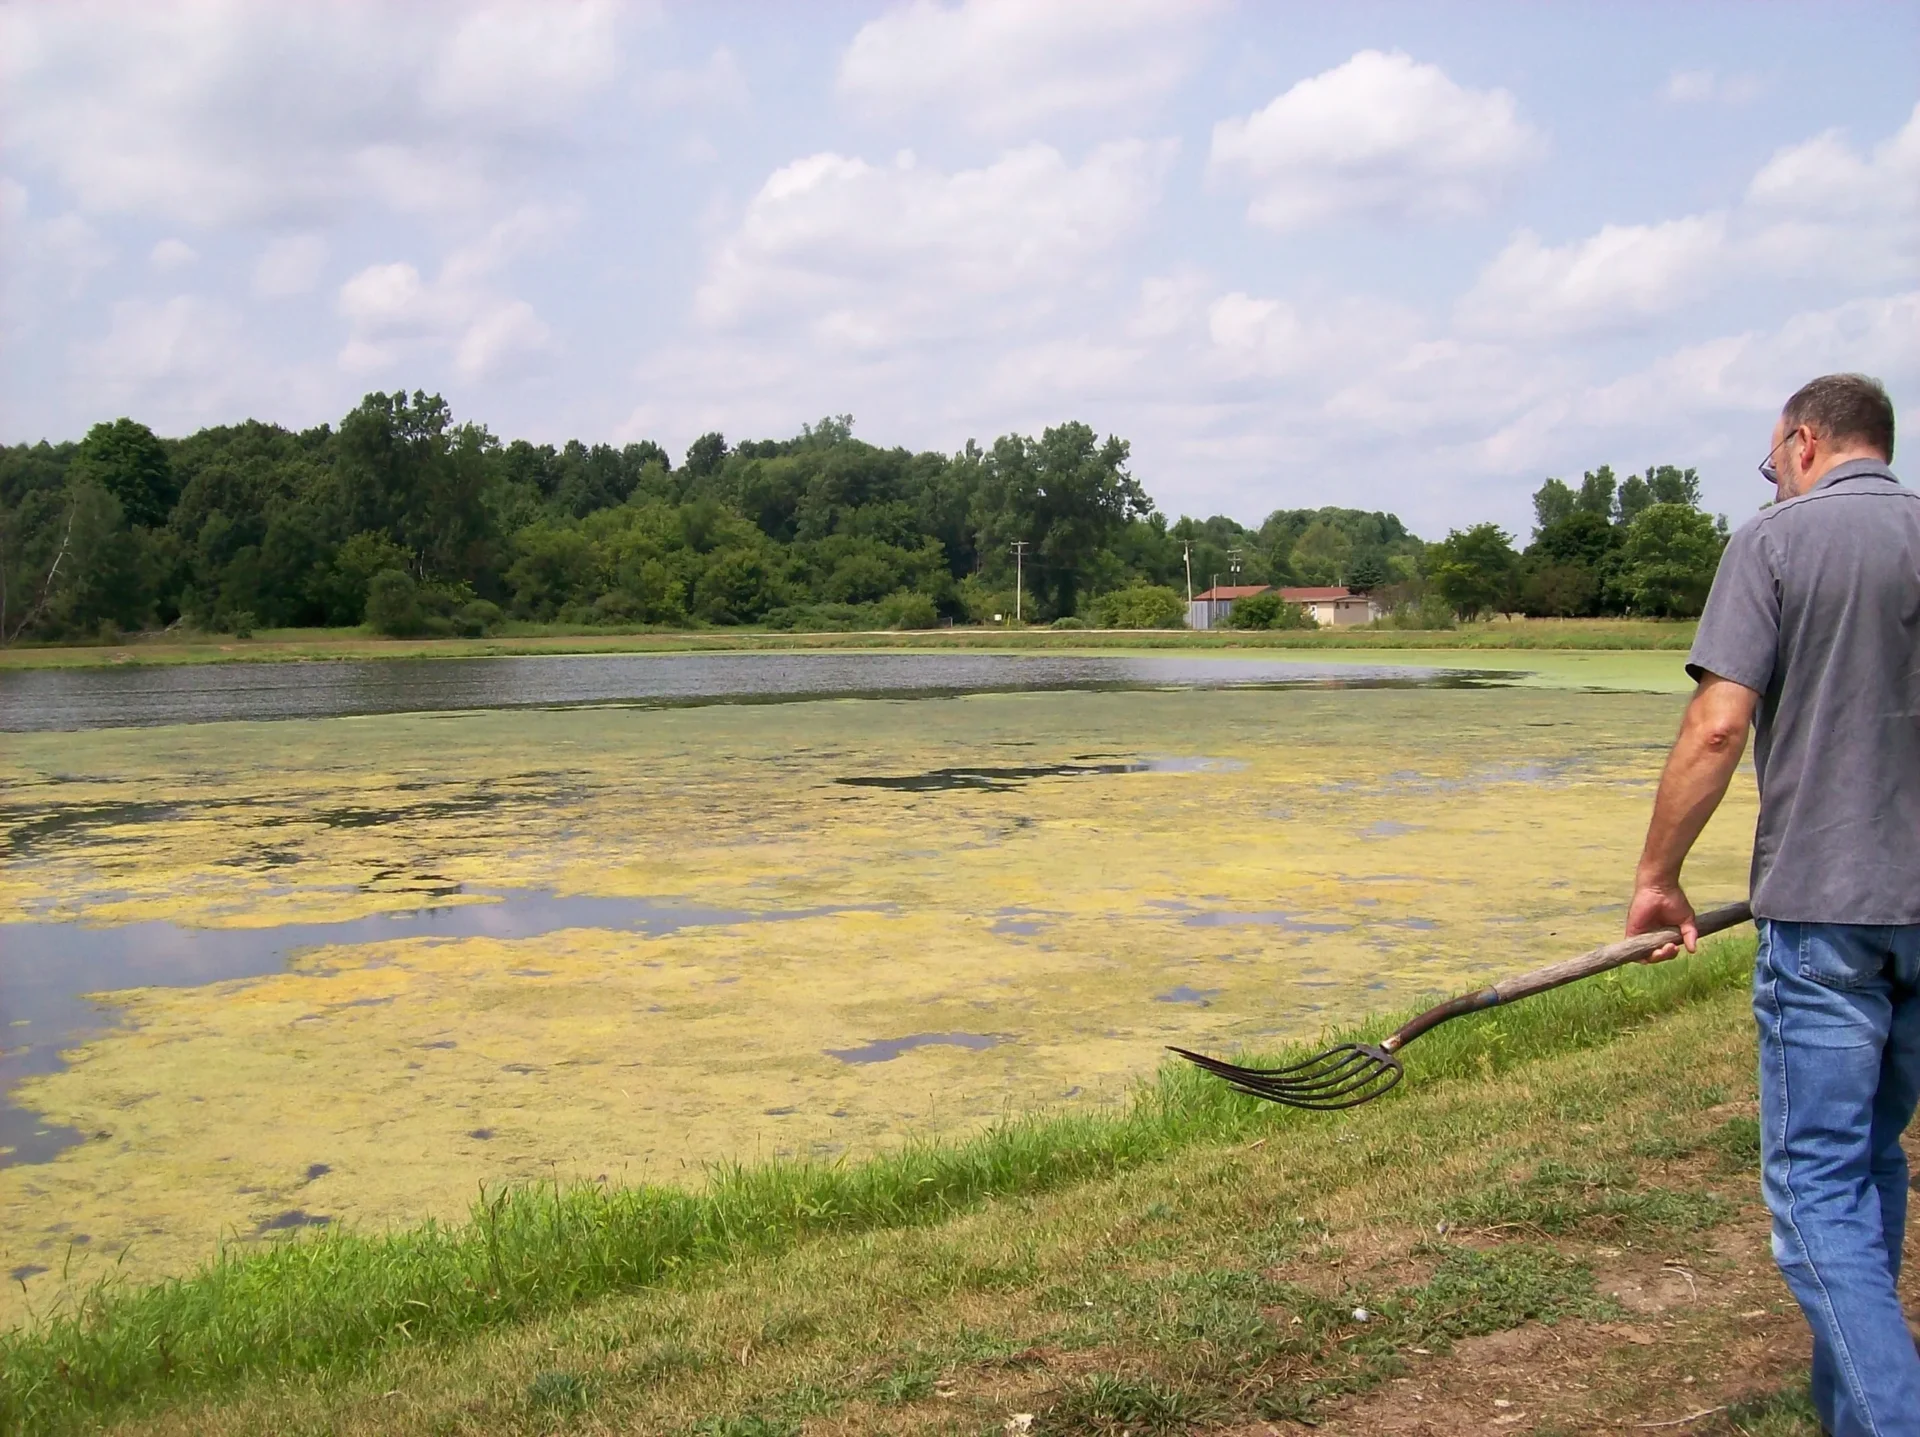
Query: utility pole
point(1019, 564)
point(1186, 546)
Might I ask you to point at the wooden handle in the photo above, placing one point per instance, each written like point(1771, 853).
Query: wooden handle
point(1614, 955)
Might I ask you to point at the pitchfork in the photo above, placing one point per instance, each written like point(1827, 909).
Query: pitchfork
point(1354, 1073)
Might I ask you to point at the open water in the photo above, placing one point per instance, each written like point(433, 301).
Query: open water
point(135, 695)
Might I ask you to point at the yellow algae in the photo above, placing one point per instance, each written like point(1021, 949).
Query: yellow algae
point(1285, 860)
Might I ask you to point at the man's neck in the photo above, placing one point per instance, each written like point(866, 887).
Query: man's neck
point(1828, 463)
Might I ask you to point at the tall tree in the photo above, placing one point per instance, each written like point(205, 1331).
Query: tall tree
point(1553, 501)
point(1069, 495)
point(1669, 559)
point(1597, 492)
point(1321, 554)
point(405, 469)
point(126, 460)
point(704, 457)
point(1476, 570)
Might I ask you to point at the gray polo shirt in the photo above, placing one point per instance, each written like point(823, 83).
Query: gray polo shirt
point(1816, 607)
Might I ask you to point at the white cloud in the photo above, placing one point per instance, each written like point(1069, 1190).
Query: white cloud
point(1752, 374)
point(1324, 338)
point(1381, 135)
point(1827, 176)
point(171, 254)
point(226, 111)
point(1822, 208)
point(1621, 276)
point(1169, 303)
point(719, 83)
point(524, 66)
point(1001, 65)
point(866, 255)
point(289, 265)
point(1695, 87)
point(185, 353)
point(394, 312)
point(59, 255)
point(1818, 210)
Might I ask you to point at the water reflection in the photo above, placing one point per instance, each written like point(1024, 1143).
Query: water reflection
point(140, 695)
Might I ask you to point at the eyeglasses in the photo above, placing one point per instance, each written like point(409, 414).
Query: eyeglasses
point(1767, 471)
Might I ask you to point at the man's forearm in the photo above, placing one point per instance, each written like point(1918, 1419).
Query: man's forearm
point(1691, 787)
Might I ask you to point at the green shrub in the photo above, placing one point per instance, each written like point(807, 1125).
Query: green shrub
point(825, 618)
point(1140, 606)
point(476, 618)
point(1068, 621)
point(1428, 612)
point(1269, 611)
point(393, 604)
point(909, 610)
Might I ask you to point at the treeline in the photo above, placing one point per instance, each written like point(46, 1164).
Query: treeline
point(406, 520)
point(1635, 546)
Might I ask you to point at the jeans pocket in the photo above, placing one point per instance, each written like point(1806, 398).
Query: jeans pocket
point(1838, 955)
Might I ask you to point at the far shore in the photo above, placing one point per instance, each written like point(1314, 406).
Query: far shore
point(319, 645)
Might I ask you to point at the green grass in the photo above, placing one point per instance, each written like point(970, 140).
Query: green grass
point(1222, 1315)
point(335, 1303)
point(318, 644)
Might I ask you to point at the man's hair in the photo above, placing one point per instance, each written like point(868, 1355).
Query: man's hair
point(1844, 408)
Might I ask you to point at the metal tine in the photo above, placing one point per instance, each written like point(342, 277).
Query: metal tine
point(1303, 1069)
point(1352, 1082)
point(1342, 1077)
point(1362, 1089)
point(1325, 1069)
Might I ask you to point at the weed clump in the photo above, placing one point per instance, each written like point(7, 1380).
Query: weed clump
point(559, 1392)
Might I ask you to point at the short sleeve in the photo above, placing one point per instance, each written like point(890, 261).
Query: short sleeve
point(1739, 633)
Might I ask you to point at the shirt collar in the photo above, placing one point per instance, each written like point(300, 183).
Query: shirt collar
point(1856, 469)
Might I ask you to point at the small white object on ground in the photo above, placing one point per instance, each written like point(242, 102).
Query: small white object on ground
point(1360, 1314)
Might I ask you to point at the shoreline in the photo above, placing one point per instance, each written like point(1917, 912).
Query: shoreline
point(334, 1304)
point(334, 645)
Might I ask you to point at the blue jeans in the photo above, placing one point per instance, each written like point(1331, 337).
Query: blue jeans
point(1839, 1013)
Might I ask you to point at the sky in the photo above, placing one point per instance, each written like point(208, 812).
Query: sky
point(1403, 256)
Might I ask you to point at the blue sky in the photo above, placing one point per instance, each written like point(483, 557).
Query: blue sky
point(1412, 257)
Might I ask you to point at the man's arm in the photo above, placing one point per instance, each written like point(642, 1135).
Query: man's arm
point(1713, 735)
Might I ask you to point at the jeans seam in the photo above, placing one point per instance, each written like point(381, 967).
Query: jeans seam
point(1842, 1352)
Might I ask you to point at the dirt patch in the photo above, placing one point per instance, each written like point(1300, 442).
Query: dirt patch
point(1576, 1377)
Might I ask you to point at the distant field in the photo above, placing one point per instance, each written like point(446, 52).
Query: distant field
point(285, 644)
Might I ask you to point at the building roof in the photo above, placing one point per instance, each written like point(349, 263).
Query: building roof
point(1234, 591)
point(1313, 596)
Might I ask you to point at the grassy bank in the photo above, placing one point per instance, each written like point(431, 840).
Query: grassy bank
point(335, 1312)
point(324, 644)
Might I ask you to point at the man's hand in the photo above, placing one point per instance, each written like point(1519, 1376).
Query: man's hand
point(1657, 906)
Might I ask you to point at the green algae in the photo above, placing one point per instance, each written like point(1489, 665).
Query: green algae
point(1350, 850)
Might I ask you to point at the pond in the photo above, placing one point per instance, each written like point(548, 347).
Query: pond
point(37, 700)
point(260, 977)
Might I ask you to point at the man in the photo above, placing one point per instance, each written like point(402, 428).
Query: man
point(1812, 633)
